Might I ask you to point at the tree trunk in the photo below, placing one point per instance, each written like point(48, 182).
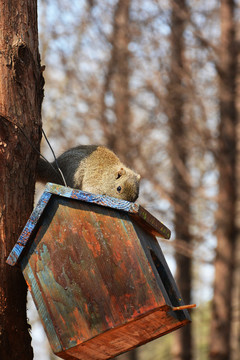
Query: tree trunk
point(118, 134)
point(179, 149)
point(226, 227)
point(21, 93)
point(121, 57)
point(235, 323)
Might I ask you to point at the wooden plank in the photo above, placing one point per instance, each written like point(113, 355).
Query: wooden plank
point(41, 302)
point(151, 224)
point(101, 200)
point(17, 250)
point(127, 337)
point(162, 272)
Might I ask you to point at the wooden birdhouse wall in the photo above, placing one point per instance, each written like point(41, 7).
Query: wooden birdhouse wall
point(97, 275)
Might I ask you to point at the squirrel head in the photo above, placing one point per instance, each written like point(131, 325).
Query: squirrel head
point(121, 183)
point(101, 172)
point(126, 185)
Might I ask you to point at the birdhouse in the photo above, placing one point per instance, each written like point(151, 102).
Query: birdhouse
point(97, 274)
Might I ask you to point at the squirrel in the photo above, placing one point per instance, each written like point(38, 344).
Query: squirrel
point(92, 168)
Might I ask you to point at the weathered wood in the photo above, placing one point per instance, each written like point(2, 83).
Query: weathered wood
point(97, 275)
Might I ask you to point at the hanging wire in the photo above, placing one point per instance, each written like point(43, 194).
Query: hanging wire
point(35, 149)
point(60, 171)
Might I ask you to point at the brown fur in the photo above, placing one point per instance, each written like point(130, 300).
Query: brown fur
point(95, 169)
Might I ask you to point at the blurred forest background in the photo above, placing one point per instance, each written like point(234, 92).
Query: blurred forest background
point(158, 81)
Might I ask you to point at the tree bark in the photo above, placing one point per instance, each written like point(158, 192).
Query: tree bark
point(226, 227)
point(21, 94)
point(235, 323)
point(179, 150)
point(118, 134)
point(121, 57)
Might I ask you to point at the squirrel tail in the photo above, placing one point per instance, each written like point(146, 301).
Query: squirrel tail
point(47, 172)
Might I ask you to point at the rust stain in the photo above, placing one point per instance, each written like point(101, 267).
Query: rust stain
point(28, 285)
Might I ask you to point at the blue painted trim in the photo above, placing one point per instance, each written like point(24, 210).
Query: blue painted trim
point(29, 227)
point(102, 200)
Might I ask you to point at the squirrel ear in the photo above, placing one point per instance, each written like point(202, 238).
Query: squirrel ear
point(119, 173)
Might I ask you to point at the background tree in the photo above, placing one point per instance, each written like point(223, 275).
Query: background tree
point(235, 322)
point(21, 93)
point(117, 130)
point(179, 151)
point(227, 196)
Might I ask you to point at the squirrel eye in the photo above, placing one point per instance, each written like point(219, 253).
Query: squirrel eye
point(119, 189)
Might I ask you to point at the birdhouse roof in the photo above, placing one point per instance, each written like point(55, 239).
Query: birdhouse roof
point(135, 211)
